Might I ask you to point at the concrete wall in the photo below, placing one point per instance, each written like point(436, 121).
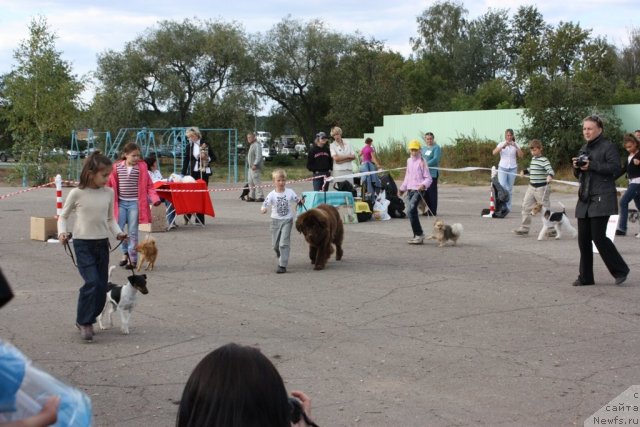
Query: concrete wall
point(447, 126)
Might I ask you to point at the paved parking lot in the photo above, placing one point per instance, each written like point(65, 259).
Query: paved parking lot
point(486, 333)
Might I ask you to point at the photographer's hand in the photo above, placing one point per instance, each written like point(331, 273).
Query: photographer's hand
point(304, 400)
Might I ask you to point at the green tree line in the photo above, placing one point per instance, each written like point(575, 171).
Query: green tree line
point(311, 77)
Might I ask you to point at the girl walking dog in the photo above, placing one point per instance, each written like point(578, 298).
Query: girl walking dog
point(92, 203)
point(132, 189)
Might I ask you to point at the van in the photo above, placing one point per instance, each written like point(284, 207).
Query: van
point(263, 137)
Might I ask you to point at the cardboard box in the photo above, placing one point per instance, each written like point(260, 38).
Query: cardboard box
point(43, 228)
point(159, 220)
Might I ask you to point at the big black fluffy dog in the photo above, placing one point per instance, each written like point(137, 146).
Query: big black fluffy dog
point(321, 227)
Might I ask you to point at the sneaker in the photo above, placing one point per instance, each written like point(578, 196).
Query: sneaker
point(260, 199)
point(417, 240)
point(521, 231)
point(250, 199)
point(620, 280)
point(579, 282)
point(86, 332)
point(131, 266)
point(123, 262)
point(621, 233)
point(637, 235)
point(281, 270)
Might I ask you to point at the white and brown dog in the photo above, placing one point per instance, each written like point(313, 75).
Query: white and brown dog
point(122, 299)
point(558, 221)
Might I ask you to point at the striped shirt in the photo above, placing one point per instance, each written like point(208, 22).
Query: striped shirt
point(539, 169)
point(128, 178)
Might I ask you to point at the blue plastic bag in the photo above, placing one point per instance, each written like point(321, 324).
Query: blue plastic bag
point(24, 388)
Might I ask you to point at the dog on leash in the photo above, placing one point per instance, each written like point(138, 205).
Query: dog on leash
point(147, 252)
point(122, 299)
point(558, 221)
point(444, 233)
point(245, 192)
point(322, 227)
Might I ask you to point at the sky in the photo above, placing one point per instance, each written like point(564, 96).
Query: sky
point(88, 28)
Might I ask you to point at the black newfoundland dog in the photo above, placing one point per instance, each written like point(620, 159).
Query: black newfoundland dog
point(321, 227)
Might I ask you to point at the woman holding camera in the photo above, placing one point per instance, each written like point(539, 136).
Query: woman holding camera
point(237, 385)
point(596, 168)
point(508, 167)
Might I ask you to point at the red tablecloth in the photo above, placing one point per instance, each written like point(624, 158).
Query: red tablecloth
point(186, 202)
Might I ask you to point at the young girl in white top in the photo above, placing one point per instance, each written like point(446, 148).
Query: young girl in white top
point(280, 201)
point(93, 204)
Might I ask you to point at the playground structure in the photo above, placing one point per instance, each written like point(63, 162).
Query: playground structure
point(163, 142)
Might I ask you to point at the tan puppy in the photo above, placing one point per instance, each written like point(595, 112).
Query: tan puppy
point(148, 251)
point(444, 233)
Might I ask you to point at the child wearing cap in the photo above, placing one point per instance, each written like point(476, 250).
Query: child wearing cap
point(416, 179)
point(319, 162)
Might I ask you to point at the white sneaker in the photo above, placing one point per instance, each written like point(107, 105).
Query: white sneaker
point(637, 235)
point(417, 240)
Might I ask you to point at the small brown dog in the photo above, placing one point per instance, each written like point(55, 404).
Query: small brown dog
point(444, 233)
point(148, 251)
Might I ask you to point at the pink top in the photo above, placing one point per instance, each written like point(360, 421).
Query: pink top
point(146, 192)
point(417, 174)
point(367, 153)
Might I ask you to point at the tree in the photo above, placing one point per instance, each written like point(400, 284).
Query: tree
point(368, 86)
point(440, 28)
point(295, 66)
point(42, 94)
point(570, 82)
point(170, 68)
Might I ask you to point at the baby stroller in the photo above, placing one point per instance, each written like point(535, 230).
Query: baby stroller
point(370, 183)
point(396, 205)
point(501, 197)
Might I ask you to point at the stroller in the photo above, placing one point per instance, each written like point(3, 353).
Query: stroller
point(501, 197)
point(370, 183)
point(396, 205)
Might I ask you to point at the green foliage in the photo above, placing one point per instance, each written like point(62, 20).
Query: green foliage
point(42, 93)
point(296, 67)
point(367, 87)
point(282, 160)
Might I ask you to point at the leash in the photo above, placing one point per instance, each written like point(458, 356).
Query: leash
point(69, 251)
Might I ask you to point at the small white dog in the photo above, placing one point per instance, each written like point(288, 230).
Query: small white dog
point(123, 299)
point(557, 220)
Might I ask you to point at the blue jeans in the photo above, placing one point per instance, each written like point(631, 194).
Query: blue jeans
point(413, 197)
point(92, 257)
point(128, 214)
point(506, 178)
point(632, 193)
point(171, 211)
point(317, 183)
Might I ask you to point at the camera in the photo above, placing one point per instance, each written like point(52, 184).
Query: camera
point(582, 159)
point(296, 410)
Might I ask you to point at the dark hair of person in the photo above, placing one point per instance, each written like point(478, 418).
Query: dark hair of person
point(150, 161)
point(368, 141)
point(595, 119)
point(129, 147)
point(429, 134)
point(234, 386)
point(92, 165)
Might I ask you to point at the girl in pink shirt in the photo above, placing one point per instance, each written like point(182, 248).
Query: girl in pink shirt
point(416, 179)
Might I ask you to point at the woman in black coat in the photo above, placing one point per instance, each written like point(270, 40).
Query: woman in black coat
point(196, 162)
point(596, 168)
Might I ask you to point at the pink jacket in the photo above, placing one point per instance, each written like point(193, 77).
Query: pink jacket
point(146, 191)
point(417, 174)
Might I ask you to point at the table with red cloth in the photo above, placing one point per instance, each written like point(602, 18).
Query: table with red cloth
point(186, 202)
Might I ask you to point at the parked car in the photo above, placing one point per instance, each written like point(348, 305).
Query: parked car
point(263, 137)
point(5, 155)
point(72, 154)
point(268, 151)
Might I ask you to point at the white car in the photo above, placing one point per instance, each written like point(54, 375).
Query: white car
point(263, 137)
point(268, 152)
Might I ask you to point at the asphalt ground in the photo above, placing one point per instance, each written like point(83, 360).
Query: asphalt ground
point(489, 332)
